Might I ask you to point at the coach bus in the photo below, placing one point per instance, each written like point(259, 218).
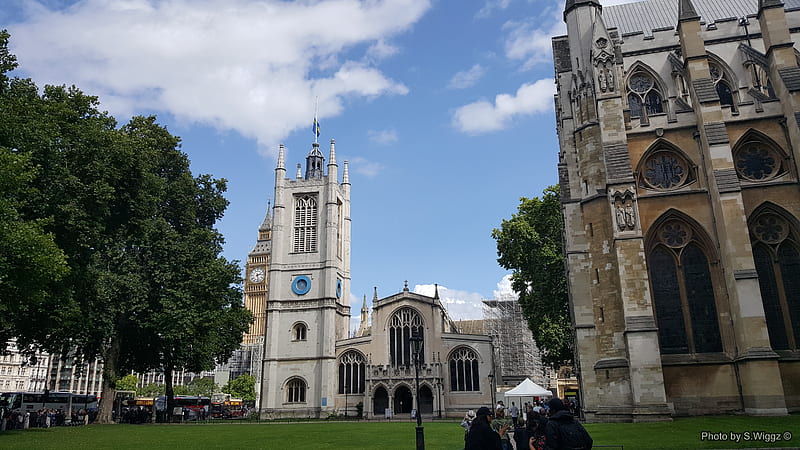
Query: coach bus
point(192, 407)
point(32, 401)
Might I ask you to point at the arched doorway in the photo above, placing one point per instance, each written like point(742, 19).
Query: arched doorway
point(425, 400)
point(380, 401)
point(402, 400)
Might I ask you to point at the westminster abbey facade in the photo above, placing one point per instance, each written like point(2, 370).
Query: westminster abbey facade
point(678, 167)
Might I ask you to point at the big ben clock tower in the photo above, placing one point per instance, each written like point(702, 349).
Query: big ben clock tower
point(256, 284)
point(308, 300)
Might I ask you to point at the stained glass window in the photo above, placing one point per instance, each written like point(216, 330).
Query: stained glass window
point(757, 162)
point(664, 171)
point(777, 261)
point(464, 371)
point(683, 292)
point(644, 99)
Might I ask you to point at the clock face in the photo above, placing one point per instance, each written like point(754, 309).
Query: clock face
point(257, 275)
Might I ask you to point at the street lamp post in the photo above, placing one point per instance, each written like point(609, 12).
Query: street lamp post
point(491, 387)
point(416, 342)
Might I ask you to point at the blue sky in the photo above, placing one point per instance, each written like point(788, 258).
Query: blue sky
point(443, 108)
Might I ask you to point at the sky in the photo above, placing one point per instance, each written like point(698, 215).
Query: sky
point(443, 108)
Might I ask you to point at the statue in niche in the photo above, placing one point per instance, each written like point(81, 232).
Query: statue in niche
point(630, 218)
point(620, 210)
point(601, 80)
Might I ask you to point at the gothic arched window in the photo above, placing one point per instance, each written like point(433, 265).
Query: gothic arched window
point(683, 291)
point(405, 322)
point(296, 391)
point(723, 84)
point(351, 373)
point(464, 375)
point(777, 257)
point(305, 224)
point(299, 332)
point(644, 97)
point(664, 167)
point(757, 158)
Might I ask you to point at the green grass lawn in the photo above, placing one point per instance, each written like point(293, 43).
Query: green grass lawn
point(680, 434)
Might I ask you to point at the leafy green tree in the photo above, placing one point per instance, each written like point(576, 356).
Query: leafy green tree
point(150, 390)
point(127, 383)
point(243, 386)
point(146, 286)
point(530, 244)
point(202, 387)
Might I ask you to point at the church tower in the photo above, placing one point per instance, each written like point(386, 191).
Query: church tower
point(308, 306)
point(256, 284)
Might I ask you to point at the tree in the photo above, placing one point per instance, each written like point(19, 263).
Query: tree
point(150, 390)
point(243, 386)
point(202, 386)
point(530, 244)
point(146, 286)
point(127, 383)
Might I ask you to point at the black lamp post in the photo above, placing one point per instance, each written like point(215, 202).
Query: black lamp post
point(416, 342)
point(491, 387)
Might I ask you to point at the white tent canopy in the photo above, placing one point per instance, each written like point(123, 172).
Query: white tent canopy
point(528, 389)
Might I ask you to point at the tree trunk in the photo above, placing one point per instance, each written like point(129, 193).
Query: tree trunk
point(110, 377)
point(169, 391)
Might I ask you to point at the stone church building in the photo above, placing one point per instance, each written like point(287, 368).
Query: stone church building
point(297, 285)
point(678, 167)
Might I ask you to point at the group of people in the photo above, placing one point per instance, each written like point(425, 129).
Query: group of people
point(43, 418)
point(551, 426)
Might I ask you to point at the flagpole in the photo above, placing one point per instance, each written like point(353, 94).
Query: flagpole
point(316, 124)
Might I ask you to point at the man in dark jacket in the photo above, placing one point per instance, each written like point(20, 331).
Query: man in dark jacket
point(481, 436)
point(563, 431)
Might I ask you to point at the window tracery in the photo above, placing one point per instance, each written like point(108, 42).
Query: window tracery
point(664, 167)
point(305, 224)
point(757, 159)
point(296, 391)
point(405, 322)
point(352, 370)
point(777, 259)
point(683, 290)
point(464, 374)
point(644, 97)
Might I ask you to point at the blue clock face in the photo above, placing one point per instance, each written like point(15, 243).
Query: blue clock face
point(338, 288)
point(301, 285)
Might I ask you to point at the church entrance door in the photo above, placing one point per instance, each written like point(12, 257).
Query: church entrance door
point(402, 400)
point(425, 400)
point(380, 401)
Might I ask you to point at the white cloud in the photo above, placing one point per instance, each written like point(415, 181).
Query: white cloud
point(490, 6)
point(460, 305)
point(235, 64)
point(466, 78)
point(531, 44)
point(381, 50)
point(484, 117)
point(504, 290)
point(382, 137)
point(365, 167)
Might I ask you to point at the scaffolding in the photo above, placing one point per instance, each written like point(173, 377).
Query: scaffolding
point(516, 353)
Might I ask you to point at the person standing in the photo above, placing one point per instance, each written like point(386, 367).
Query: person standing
point(514, 413)
point(563, 431)
point(501, 422)
point(481, 436)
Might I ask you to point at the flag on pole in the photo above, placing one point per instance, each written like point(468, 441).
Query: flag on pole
point(315, 128)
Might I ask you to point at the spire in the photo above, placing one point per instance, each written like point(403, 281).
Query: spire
point(375, 295)
point(364, 308)
point(299, 172)
point(436, 291)
point(314, 162)
point(281, 158)
point(332, 161)
point(686, 11)
point(346, 174)
point(267, 224)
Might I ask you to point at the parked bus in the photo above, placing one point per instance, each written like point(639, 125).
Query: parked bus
point(32, 401)
point(224, 406)
point(192, 407)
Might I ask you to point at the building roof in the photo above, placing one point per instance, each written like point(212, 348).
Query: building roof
point(653, 15)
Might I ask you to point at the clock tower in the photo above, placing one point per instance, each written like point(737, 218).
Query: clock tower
point(308, 300)
point(256, 284)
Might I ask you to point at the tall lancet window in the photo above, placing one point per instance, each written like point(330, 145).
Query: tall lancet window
point(404, 323)
point(777, 256)
point(352, 369)
point(305, 224)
